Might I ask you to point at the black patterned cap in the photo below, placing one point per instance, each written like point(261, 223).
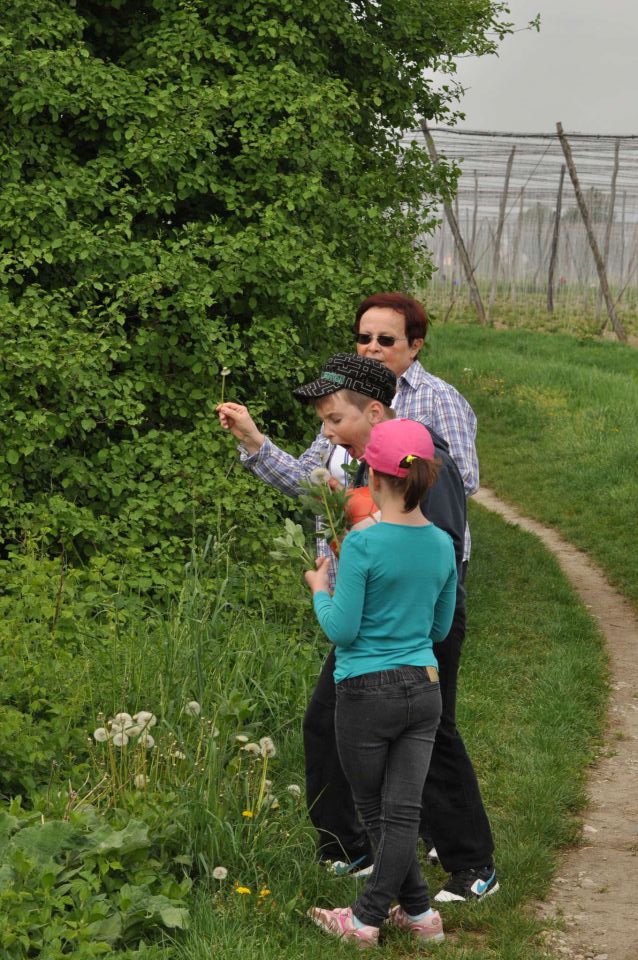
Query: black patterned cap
point(349, 371)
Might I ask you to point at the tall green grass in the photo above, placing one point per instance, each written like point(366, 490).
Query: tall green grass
point(558, 432)
point(532, 693)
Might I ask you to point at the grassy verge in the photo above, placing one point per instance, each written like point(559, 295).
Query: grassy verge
point(532, 694)
point(558, 432)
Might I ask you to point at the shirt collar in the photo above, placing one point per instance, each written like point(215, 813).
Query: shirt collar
point(412, 375)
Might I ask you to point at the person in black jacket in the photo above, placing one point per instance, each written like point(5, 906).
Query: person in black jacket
point(453, 814)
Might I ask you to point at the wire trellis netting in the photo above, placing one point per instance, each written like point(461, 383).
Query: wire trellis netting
point(524, 232)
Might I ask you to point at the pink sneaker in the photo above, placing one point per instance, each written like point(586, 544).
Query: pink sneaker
point(340, 923)
point(430, 928)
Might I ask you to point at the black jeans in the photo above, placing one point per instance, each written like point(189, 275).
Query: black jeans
point(453, 813)
point(385, 725)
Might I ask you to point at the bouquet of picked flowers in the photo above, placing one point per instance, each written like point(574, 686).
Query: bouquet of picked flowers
point(337, 509)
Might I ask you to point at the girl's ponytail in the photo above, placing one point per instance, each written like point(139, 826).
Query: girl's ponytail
point(421, 477)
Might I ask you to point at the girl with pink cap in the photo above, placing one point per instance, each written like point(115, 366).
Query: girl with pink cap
point(394, 597)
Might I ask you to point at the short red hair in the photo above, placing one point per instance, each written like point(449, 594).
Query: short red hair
point(416, 319)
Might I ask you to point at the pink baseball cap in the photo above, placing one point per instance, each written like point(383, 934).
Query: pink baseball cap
point(392, 441)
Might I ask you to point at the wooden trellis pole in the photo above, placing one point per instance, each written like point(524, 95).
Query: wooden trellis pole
point(610, 221)
point(619, 330)
point(496, 262)
point(458, 239)
point(554, 251)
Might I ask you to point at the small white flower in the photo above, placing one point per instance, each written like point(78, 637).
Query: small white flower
point(294, 790)
point(241, 738)
point(319, 475)
point(220, 873)
point(267, 747)
point(268, 784)
point(214, 732)
point(141, 780)
point(101, 735)
point(225, 371)
point(120, 739)
point(178, 755)
point(253, 748)
point(193, 709)
point(146, 740)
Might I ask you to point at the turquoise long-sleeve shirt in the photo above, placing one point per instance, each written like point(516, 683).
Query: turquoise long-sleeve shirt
point(395, 595)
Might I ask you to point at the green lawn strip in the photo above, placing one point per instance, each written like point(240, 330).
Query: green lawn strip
point(532, 695)
point(558, 432)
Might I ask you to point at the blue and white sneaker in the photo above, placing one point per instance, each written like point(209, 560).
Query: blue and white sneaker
point(469, 885)
point(361, 867)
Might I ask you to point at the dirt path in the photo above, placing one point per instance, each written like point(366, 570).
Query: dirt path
point(596, 889)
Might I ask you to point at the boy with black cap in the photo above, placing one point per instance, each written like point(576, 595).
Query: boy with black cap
point(351, 395)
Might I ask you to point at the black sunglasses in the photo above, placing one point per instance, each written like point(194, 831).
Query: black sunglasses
point(384, 339)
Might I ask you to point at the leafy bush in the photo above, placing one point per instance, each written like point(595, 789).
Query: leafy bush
point(188, 186)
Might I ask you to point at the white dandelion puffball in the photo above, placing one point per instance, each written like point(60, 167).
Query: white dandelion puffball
point(178, 754)
point(101, 735)
point(141, 780)
point(146, 740)
point(319, 475)
point(133, 731)
point(193, 709)
point(241, 738)
point(120, 739)
point(267, 747)
point(122, 718)
point(253, 748)
point(220, 873)
point(214, 732)
point(274, 803)
point(294, 790)
point(145, 718)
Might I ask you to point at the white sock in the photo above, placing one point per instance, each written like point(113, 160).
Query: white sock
point(420, 916)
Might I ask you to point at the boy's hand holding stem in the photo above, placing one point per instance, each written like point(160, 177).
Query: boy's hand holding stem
point(237, 419)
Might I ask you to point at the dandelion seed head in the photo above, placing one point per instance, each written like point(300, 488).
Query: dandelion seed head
point(253, 748)
point(145, 718)
point(101, 735)
point(267, 747)
point(147, 741)
point(192, 708)
point(220, 873)
point(319, 475)
point(294, 790)
point(122, 718)
point(140, 781)
point(178, 754)
point(120, 739)
point(225, 371)
point(241, 738)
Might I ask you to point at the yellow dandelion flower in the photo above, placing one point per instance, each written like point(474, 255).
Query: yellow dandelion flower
point(248, 814)
point(242, 890)
point(264, 892)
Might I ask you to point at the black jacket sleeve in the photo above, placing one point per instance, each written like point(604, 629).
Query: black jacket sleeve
point(446, 506)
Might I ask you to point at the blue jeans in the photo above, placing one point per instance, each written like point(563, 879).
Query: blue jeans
point(385, 726)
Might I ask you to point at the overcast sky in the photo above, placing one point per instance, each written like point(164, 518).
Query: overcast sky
point(581, 69)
